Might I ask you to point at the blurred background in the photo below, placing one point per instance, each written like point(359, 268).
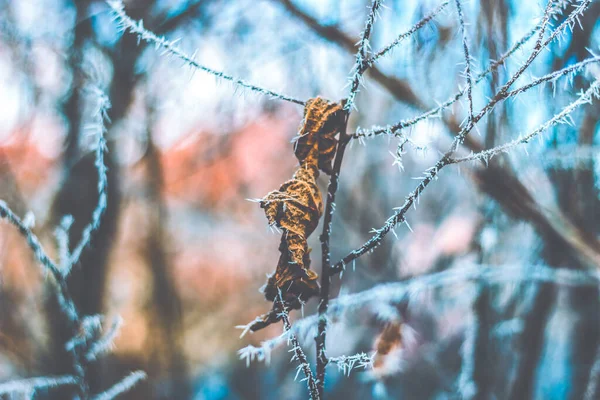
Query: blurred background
point(181, 253)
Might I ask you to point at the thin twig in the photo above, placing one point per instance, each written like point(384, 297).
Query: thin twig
point(360, 65)
point(585, 98)
point(348, 363)
point(101, 117)
point(396, 128)
point(554, 76)
point(32, 384)
point(373, 59)
point(299, 355)
point(137, 28)
point(446, 159)
point(34, 244)
point(78, 346)
point(465, 45)
point(396, 292)
point(330, 203)
point(124, 385)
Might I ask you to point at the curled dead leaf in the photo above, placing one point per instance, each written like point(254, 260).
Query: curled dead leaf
point(316, 139)
point(296, 209)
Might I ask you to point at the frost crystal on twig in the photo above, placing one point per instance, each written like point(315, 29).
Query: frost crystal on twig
point(122, 386)
point(347, 363)
point(31, 385)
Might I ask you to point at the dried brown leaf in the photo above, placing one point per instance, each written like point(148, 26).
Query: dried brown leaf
point(388, 340)
point(297, 206)
point(322, 121)
point(296, 209)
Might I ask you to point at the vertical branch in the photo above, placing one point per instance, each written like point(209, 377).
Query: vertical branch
point(359, 69)
point(362, 60)
point(326, 260)
point(72, 319)
point(465, 46)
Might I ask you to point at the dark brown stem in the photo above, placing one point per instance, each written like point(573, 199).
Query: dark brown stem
point(322, 360)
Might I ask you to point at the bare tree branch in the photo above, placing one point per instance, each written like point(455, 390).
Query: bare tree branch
point(171, 47)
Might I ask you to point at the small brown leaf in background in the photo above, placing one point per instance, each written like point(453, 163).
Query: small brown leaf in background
point(388, 343)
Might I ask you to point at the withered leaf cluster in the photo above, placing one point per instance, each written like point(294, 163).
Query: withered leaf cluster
point(297, 206)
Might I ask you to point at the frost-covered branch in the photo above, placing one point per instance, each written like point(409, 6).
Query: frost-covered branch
point(392, 293)
point(299, 355)
point(396, 292)
point(540, 44)
point(332, 187)
point(123, 386)
point(99, 126)
point(360, 65)
point(406, 34)
point(262, 353)
point(431, 173)
point(85, 342)
point(465, 45)
point(593, 92)
point(137, 28)
point(553, 77)
point(34, 243)
point(395, 129)
point(347, 363)
point(104, 343)
point(31, 385)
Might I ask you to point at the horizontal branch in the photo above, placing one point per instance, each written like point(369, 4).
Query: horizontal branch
point(137, 28)
point(30, 385)
point(347, 363)
point(397, 292)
